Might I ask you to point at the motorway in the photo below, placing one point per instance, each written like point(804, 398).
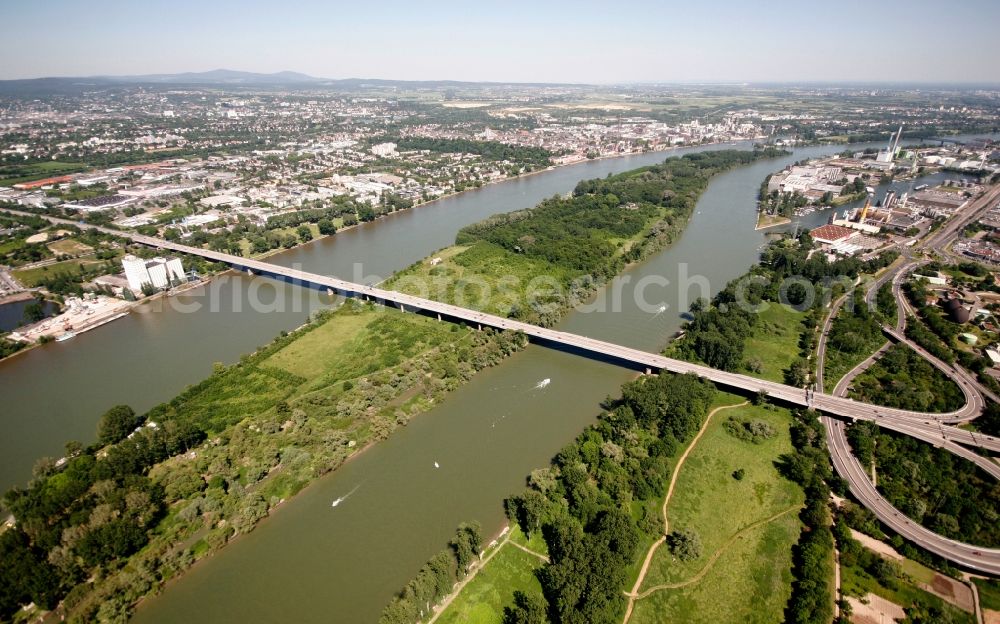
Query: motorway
point(926, 426)
point(848, 466)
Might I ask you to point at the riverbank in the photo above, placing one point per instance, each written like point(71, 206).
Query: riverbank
point(481, 463)
point(316, 397)
point(766, 221)
point(262, 378)
point(79, 324)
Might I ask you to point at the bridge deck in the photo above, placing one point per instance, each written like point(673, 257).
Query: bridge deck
point(897, 419)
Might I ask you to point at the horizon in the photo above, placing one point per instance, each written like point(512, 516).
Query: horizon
point(319, 80)
point(640, 42)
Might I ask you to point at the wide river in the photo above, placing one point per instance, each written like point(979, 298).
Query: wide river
point(310, 562)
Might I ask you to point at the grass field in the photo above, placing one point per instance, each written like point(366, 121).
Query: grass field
point(989, 593)
point(744, 584)
point(310, 355)
point(857, 582)
point(752, 575)
point(33, 277)
point(482, 601)
point(27, 173)
point(775, 341)
point(483, 277)
point(765, 220)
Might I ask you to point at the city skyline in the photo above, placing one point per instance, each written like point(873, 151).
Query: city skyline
point(639, 42)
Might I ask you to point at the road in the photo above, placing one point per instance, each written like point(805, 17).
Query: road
point(633, 358)
point(848, 466)
point(918, 424)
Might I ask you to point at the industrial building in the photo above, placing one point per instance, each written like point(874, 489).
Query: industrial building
point(158, 272)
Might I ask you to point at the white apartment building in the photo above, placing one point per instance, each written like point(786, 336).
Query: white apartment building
point(159, 272)
point(385, 150)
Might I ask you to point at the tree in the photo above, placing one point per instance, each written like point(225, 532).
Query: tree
point(685, 545)
point(326, 227)
point(117, 423)
point(527, 609)
point(305, 234)
point(466, 544)
point(739, 474)
point(527, 510)
point(34, 312)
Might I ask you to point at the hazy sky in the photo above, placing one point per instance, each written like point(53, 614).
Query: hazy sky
point(510, 40)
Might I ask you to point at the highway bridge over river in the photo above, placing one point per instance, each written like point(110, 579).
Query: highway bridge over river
point(930, 427)
point(891, 418)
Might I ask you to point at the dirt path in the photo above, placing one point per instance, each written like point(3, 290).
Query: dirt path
point(530, 552)
point(666, 521)
point(718, 553)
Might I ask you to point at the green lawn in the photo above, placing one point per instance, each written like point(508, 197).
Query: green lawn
point(310, 355)
point(35, 171)
point(750, 582)
point(482, 601)
point(775, 341)
point(536, 542)
point(989, 593)
point(756, 576)
point(33, 277)
point(483, 277)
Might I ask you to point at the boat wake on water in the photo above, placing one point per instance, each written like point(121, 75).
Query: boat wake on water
point(345, 496)
point(541, 385)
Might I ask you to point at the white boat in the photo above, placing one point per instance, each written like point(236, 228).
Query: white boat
point(65, 337)
point(543, 383)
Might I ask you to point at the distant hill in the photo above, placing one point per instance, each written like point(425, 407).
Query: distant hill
point(229, 78)
point(217, 77)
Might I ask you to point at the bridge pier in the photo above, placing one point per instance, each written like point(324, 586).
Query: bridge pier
point(439, 317)
point(249, 272)
point(479, 327)
point(649, 371)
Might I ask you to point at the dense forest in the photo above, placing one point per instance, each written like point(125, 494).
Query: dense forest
point(583, 232)
point(809, 466)
point(490, 150)
point(856, 333)
point(903, 378)
point(937, 489)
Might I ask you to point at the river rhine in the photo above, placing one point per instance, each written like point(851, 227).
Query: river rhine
point(309, 562)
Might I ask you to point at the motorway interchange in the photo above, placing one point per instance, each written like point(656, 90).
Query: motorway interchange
point(931, 430)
